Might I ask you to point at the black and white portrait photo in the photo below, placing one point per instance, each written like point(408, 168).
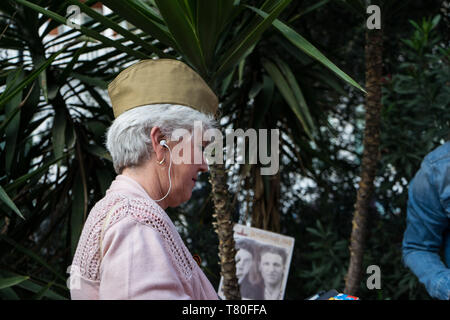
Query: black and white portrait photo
point(262, 263)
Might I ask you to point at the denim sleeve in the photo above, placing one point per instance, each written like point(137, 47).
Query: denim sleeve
point(423, 238)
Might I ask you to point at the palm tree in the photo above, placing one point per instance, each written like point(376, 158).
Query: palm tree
point(217, 39)
point(374, 67)
point(371, 140)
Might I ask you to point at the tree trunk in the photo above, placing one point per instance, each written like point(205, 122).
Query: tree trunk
point(266, 203)
point(373, 53)
point(224, 228)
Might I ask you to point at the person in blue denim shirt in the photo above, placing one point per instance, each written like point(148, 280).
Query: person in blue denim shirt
point(427, 234)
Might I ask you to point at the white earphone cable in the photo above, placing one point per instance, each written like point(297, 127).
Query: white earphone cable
point(170, 166)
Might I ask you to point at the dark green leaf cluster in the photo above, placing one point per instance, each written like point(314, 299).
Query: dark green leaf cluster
point(416, 105)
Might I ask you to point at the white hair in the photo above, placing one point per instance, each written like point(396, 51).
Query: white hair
point(128, 138)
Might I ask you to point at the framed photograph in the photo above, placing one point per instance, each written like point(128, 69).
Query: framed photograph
point(263, 259)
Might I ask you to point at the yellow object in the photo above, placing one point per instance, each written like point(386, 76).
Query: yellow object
point(161, 81)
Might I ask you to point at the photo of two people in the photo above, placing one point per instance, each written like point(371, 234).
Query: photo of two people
point(262, 263)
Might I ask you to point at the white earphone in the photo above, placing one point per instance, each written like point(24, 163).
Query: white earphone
point(164, 144)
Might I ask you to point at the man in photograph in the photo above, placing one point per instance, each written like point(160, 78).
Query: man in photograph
point(271, 267)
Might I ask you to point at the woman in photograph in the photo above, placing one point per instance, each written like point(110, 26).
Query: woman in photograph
point(246, 270)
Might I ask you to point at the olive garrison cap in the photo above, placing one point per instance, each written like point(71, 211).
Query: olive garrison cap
point(160, 81)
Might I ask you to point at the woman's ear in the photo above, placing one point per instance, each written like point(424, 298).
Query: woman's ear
point(156, 136)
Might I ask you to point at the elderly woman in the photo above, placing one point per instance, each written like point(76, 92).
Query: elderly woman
point(129, 247)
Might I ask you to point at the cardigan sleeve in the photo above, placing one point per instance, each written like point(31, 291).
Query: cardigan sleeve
point(136, 264)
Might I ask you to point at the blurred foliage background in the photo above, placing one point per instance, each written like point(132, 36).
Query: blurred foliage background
point(54, 167)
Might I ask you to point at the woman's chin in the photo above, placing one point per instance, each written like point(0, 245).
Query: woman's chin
point(179, 196)
point(187, 196)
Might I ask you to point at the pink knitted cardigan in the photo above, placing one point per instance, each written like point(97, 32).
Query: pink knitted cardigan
point(130, 249)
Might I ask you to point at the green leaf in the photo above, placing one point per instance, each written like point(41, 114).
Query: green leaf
point(104, 178)
point(209, 24)
point(93, 81)
point(41, 291)
point(43, 81)
point(59, 127)
point(12, 77)
point(70, 34)
point(226, 83)
point(77, 216)
point(19, 181)
point(314, 232)
point(7, 200)
point(238, 50)
point(415, 25)
point(324, 77)
point(31, 254)
point(264, 101)
point(8, 95)
point(69, 67)
point(309, 49)
point(116, 27)
point(8, 294)
point(184, 33)
point(241, 71)
point(142, 16)
point(309, 9)
point(297, 93)
point(12, 281)
point(287, 92)
point(86, 31)
point(98, 151)
point(32, 286)
point(104, 106)
point(435, 21)
point(12, 129)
